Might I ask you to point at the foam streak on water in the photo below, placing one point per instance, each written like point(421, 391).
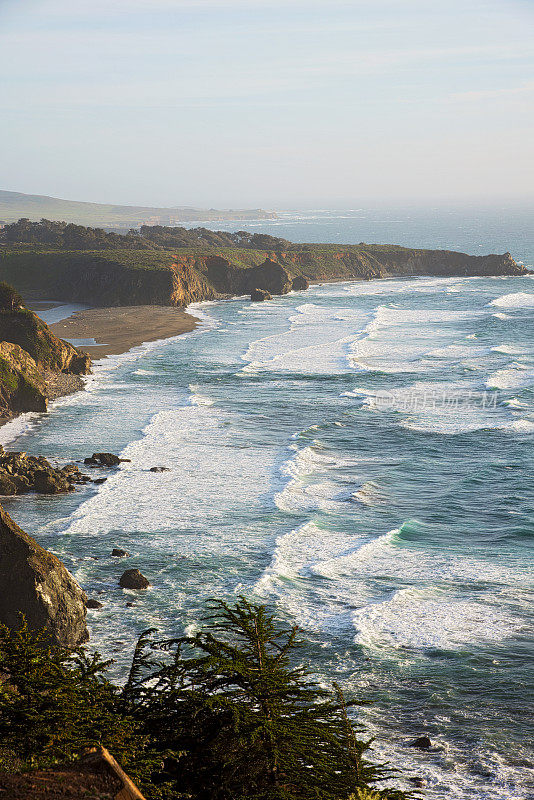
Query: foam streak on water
point(358, 458)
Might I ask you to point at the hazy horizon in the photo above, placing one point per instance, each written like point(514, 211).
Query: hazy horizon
point(294, 105)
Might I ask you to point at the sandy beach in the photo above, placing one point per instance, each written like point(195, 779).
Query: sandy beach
point(116, 330)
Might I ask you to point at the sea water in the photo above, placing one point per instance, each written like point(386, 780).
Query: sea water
point(359, 458)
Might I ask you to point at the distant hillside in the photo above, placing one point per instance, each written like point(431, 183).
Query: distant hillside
point(14, 205)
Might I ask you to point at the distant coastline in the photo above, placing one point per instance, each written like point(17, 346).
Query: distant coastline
point(14, 205)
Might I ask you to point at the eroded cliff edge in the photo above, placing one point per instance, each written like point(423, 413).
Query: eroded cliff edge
point(175, 266)
point(36, 584)
point(35, 366)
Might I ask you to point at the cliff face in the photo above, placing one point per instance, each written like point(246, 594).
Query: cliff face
point(179, 277)
point(22, 385)
point(33, 362)
point(35, 583)
point(26, 329)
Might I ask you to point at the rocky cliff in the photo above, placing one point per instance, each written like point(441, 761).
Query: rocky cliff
point(34, 364)
point(35, 583)
point(185, 274)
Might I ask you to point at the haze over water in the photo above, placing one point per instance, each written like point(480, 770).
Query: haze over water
point(358, 457)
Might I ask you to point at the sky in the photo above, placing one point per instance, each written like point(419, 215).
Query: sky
point(268, 103)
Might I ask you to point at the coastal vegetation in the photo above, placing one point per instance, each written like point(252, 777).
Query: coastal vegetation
point(175, 266)
point(226, 713)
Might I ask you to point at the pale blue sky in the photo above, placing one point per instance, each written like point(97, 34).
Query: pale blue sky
point(317, 103)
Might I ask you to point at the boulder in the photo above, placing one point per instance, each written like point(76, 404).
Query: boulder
point(36, 584)
point(133, 579)
point(92, 603)
point(50, 482)
point(118, 553)
point(70, 469)
point(7, 484)
point(105, 459)
point(22, 483)
point(422, 743)
point(300, 283)
point(159, 469)
point(100, 480)
point(21, 473)
point(258, 295)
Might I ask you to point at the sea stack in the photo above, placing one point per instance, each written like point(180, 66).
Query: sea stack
point(259, 295)
point(34, 583)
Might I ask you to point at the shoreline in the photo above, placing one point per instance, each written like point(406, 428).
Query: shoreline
point(114, 330)
point(117, 329)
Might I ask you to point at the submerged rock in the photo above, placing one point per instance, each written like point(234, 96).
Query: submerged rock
point(159, 469)
point(133, 579)
point(258, 295)
point(418, 782)
point(36, 584)
point(118, 553)
point(92, 603)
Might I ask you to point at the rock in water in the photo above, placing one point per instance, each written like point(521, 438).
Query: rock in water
point(133, 579)
point(119, 553)
point(103, 459)
point(50, 482)
point(300, 283)
point(35, 583)
point(422, 743)
point(7, 485)
point(257, 295)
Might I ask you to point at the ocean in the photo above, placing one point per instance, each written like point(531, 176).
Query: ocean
point(359, 458)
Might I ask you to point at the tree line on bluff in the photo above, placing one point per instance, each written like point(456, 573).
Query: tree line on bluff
point(68, 236)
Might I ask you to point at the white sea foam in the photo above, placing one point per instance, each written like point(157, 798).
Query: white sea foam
point(207, 476)
point(522, 426)
point(317, 342)
point(513, 402)
point(455, 352)
point(422, 619)
point(516, 300)
point(515, 376)
point(397, 340)
point(433, 613)
point(17, 427)
point(508, 349)
point(197, 398)
point(303, 495)
point(452, 407)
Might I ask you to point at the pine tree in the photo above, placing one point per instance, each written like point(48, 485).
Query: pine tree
point(240, 719)
point(55, 703)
